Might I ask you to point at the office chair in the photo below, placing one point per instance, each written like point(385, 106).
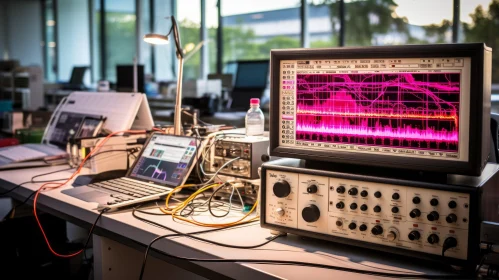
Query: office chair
point(494, 141)
point(250, 82)
point(76, 80)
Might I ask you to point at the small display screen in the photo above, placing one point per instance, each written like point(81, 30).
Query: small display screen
point(68, 125)
point(166, 159)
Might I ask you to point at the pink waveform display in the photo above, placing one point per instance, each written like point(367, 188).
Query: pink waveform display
point(405, 110)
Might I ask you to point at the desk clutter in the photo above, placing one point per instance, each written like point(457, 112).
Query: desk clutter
point(387, 149)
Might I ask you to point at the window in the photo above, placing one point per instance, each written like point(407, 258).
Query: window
point(96, 16)
point(164, 56)
point(121, 39)
point(393, 22)
point(50, 42)
point(323, 24)
point(189, 21)
point(73, 38)
point(212, 25)
point(480, 23)
point(252, 28)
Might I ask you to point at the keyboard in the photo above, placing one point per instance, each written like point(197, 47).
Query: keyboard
point(20, 153)
point(130, 191)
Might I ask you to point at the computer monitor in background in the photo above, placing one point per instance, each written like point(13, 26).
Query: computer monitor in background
point(252, 74)
point(124, 78)
point(251, 81)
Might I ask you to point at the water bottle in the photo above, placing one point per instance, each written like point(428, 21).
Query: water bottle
point(255, 121)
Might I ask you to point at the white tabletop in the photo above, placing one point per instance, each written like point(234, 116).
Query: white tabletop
point(123, 224)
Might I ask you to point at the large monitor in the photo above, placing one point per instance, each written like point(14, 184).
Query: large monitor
point(124, 78)
point(424, 108)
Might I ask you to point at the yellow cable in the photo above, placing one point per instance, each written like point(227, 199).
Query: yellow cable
point(173, 211)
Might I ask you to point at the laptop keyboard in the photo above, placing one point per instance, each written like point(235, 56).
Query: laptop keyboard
point(132, 190)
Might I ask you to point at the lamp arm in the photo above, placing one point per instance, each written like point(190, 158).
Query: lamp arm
point(176, 38)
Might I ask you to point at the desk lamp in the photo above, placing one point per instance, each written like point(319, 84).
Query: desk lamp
point(158, 39)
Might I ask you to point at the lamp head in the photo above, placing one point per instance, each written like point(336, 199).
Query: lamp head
point(156, 39)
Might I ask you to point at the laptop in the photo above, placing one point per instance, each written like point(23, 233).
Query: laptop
point(164, 163)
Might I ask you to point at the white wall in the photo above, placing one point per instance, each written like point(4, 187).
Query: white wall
point(73, 34)
point(24, 31)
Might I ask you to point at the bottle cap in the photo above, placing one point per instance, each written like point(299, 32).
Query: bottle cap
point(254, 101)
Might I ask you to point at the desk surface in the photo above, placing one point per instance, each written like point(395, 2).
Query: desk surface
point(123, 227)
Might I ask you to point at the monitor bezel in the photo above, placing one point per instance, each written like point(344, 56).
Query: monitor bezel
point(475, 51)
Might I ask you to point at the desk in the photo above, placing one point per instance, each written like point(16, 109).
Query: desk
point(120, 240)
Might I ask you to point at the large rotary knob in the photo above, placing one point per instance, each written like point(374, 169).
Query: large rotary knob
point(311, 213)
point(282, 189)
point(377, 230)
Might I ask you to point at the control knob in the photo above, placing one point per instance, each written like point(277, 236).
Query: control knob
point(363, 227)
point(392, 234)
point(353, 206)
point(363, 207)
point(452, 204)
point(311, 213)
point(377, 194)
point(433, 216)
point(282, 189)
point(364, 193)
point(433, 239)
point(340, 189)
point(352, 226)
point(451, 218)
point(312, 189)
point(395, 196)
point(434, 202)
point(415, 213)
point(280, 211)
point(340, 205)
point(353, 191)
point(377, 209)
point(416, 200)
point(377, 230)
point(414, 235)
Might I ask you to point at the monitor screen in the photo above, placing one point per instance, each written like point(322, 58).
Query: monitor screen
point(124, 78)
point(408, 107)
point(70, 124)
point(166, 159)
point(252, 74)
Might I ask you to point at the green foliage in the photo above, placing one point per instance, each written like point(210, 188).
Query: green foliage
point(120, 47)
point(485, 28)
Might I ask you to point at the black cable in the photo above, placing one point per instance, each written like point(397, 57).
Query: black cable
point(32, 178)
point(210, 199)
point(91, 232)
point(190, 235)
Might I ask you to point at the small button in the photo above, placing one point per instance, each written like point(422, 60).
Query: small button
point(340, 189)
point(416, 200)
point(340, 205)
point(353, 206)
point(395, 196)
point(377, 194)
point(364, 193)
point(363, 207)
point(339, 223)
point(395, 209)
point(377, 209)
point(363, 227)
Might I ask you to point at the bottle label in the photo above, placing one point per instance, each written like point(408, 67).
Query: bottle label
point(254, 130)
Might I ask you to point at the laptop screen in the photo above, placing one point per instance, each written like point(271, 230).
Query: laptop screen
point(166, 160)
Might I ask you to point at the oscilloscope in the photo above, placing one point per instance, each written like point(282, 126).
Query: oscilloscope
point(421, 107)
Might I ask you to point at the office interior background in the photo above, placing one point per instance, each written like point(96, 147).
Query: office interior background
point(58, 35)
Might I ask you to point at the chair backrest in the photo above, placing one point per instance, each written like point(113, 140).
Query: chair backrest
point(251, 81)
point(225, 78)
point(77, 75)
point(494, 131)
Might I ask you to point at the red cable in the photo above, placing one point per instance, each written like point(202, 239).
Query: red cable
point(52, 185)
